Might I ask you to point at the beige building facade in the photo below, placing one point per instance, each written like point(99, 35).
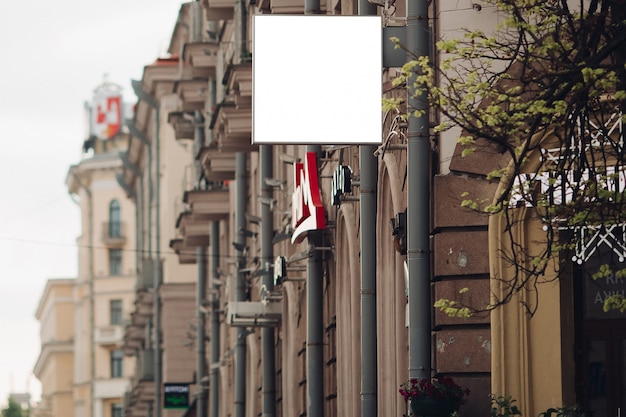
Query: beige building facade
point(106, 277)
point(55, 364)
point(95, 372)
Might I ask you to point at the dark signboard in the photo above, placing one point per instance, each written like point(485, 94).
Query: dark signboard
point(595, 291)
point(175, 395)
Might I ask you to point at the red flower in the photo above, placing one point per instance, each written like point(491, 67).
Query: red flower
point(443, 388)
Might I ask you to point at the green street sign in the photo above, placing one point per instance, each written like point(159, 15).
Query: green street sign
point(175, 395)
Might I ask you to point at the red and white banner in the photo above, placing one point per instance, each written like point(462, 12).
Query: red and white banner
point(107, 115)
point(307, 208)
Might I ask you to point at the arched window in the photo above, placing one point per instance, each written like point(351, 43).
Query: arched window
point(115, 220)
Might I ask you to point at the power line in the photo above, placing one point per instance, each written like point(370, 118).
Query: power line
point(105, 248)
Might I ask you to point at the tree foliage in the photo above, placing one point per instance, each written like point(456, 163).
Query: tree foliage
point(548, 89)
point(14, 409)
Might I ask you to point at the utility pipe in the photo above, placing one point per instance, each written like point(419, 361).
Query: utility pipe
point(92, 312)
point(368, 164)
point(315, 297)
point(240, 291)
point(368, 195)
point(198, 143)
point(266, 154)
point(418, 212)
point(201, 405)
point(138, 229)
point(215, 318)
point(200, 336)
point(156, 263)
point(315, 315)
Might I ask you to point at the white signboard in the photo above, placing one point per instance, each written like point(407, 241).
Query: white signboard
point(317, 79)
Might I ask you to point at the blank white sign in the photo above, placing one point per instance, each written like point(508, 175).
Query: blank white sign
point(317, 79)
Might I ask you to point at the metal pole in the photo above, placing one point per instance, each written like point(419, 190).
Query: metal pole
point(240, 292)
point(368, 210)
point(158, 371)
point(312, 7)
point(418, 212)
point(315, 320)
point(139, 203)
point(215, 318)
point(200, 336)
point(198, 119)
point(266, 153)
point(315, 294)
point(315, 327)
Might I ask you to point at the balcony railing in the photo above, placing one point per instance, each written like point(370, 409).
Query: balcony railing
point(113, 233)
point(109, 335)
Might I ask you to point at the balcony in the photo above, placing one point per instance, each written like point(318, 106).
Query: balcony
point(109, 388)
point(113, 234)
point(287, 7)
point(218, 9)
point(192, 93)
point(186, 254)
point(142, 390)
point(202, 57)
point(109, 335)
point(145, 365)
point(208, 204)
point(218, 165)
point(183, 124)
point(194, 223)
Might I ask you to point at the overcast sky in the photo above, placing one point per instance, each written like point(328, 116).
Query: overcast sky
point(54, 53)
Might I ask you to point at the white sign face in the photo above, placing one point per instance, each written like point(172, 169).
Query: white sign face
point(317, 79)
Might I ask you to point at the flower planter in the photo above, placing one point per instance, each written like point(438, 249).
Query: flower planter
point(429, 407)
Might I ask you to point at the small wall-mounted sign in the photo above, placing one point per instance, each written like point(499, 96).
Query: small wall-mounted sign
point(342, 183)
point(175, 395)
point(280, 270)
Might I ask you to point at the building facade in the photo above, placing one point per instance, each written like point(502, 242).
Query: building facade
point(55, 365)
point(255, 319)
point(274, 279)
point(93, 378)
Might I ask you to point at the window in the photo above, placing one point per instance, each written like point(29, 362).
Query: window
point(115, 261)
point(115, 309)
point(115, 220)
point(117, 363)
point(116, 410)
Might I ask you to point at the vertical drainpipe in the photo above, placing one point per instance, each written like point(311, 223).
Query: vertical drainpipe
point(92, 308)
point(156, 264)
point(266, 153)
point(92, 354)
point(158, 371)
point(418, 213)
point(200, 336)
point(138, 229)
point(240, 292)
point(201, 404)
point(241, 35)
point(215, 318)
point(368, 163)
